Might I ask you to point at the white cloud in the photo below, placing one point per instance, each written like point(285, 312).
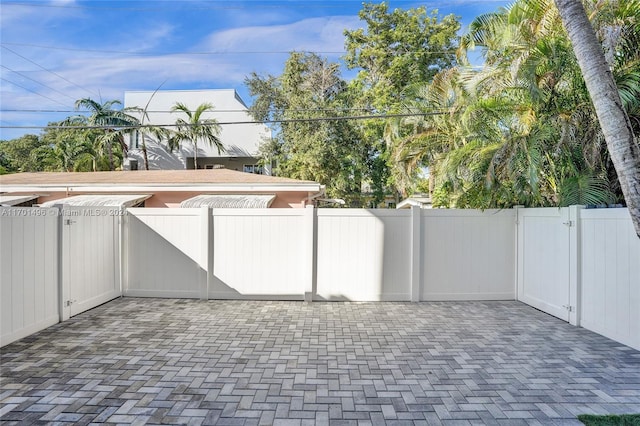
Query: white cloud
point(323, 34)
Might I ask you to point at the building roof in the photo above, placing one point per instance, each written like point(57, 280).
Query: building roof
point(12, 200)
point(423, 202)
point(178, 180)
point(99, 200)
point(230, 201)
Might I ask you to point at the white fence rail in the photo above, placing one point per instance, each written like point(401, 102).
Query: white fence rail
point(580, 265)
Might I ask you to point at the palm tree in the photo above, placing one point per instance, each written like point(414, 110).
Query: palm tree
point(117, 123)
point(616, 126)
point(195, 128)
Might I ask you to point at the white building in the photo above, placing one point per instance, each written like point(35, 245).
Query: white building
point(241, 141)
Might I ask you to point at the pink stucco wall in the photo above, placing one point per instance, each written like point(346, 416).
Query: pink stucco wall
point(173, 199)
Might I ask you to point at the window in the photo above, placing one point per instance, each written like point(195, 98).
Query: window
point(252, 168)
point(135, 139)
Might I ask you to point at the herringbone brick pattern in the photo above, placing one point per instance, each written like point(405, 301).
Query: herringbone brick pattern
point(160, 361)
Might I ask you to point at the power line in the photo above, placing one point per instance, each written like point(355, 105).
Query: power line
point(36, 81)
point(169, 111)
point(49, 71)
point(214, 52)
point(223, 6)
point(32, 91)
point(284, 120)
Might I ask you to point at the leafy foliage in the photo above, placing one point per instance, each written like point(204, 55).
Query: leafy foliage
point(610, 420)
point(396, 50)
point(16, 154)
point(326, 151)
point(522, 130)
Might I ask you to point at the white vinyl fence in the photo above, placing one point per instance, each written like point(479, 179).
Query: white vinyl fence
point(164, 255)
point(577, 264)
point(610, 275)
point(90, 257)
point(467, 255)
point(364, 255)
point(261, 254)
point(55, 264)
point(29, 267)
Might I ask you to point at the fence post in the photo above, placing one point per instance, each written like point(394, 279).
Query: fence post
point(310, 242)
point(575, 266)
point(206, 251)
point(63, 287)
point(518, 280)
point(416, 252)
point(123, 222)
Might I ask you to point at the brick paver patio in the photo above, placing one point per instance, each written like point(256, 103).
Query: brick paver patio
point(161, 361)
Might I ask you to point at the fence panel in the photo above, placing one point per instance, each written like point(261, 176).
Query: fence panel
point(163, 248)
point(544, 265)
point(467, 255)
point(364, 255)
point(90, 257)
point(610, 271)
point(28, 271)
point(260, 254)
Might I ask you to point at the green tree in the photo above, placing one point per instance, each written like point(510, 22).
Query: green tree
point(521, 130)
point(398, 49)
point(195, 128)
point(116, 124)
point(16, 154)
point(306, 144)
point(395, 50)
point(72, 148)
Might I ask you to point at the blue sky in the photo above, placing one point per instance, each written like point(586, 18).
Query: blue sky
point(56, 51)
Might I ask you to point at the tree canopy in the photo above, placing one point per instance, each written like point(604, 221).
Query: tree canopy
point(521, 130)
point(326, 151)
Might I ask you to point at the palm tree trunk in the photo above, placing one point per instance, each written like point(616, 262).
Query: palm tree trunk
point(615, 124)
point(195, 156)
point(145, 157)
point(110, 150)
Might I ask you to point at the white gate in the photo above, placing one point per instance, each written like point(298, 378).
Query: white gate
point(543, 273)
point(90, 257)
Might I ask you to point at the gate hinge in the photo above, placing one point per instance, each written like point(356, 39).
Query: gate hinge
point(569, 223)
point(69, 221)
point(70, 302)
point(568, 307)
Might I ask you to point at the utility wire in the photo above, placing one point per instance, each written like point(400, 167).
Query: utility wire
point(169, 111)
point(213, 52)
point(284, 120)
point(49, 71)
point(226, 6)
point(32, 91)
point(36, 81)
